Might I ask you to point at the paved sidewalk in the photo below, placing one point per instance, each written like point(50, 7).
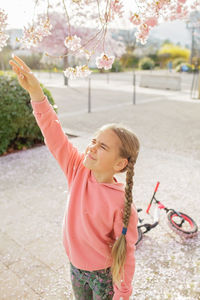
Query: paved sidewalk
point(33, 264)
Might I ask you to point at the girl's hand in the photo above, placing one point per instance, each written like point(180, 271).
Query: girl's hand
point(26, 78)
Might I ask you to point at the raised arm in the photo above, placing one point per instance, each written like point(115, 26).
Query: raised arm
point(27, 79)
point(56, 140)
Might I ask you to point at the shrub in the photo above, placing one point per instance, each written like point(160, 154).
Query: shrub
point(18, 127)
point(178, 61)
point(116, 66)
point(181, 67)
point(146, 63)
point(129, 60)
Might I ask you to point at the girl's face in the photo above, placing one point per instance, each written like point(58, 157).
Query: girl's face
point(102, 155)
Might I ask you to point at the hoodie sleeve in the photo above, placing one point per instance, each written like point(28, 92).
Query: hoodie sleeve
point(125, 290)
point(56, 140)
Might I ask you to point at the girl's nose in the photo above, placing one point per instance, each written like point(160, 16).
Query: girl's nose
point(93, 148)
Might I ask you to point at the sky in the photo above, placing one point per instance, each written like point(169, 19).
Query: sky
point(20, 12)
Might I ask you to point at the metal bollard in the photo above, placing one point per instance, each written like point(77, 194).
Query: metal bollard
point(134, 92)
point(89, 95)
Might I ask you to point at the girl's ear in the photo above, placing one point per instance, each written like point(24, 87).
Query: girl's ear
point(121, 164)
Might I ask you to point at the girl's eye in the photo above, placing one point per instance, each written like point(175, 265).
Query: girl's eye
point(93, 142)
point(103, 147)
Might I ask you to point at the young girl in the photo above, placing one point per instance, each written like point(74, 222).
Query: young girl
point(100, 220)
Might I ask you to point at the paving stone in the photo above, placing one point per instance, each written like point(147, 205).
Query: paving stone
point(3, 267)
point(14, 288)
point(49, 250)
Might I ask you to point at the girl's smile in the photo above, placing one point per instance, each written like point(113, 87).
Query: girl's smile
point(88, 154)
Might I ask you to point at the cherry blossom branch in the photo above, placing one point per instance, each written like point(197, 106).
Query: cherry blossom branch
point(77, 49)
point(36, 3)
point(99, 12)
point(106, 19)
point(68, 20)
point(48, 6)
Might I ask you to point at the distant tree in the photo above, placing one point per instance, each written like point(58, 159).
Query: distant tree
point(128, 59)
point(167, 41)
point(169, 52)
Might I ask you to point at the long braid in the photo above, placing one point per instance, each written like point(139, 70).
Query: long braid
point(119, 248)
point(128, 191)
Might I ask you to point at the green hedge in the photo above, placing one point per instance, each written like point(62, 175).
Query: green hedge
point(146, 63)
point(116, 66)
point(18, 127)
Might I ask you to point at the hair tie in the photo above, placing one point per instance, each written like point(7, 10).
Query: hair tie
point(124, 230)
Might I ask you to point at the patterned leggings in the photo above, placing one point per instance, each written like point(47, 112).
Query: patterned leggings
point(88, 285)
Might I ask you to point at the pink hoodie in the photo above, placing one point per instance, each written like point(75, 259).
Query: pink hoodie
point(93, 215)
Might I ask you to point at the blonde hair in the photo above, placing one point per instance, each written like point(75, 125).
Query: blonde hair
point(129, 149)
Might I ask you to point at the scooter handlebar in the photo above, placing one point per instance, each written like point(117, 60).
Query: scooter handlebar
point(156, 187)
point(149, 206)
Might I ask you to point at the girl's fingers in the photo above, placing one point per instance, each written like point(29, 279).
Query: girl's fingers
point(19, 69)
point(18, 72)
point(21, 63)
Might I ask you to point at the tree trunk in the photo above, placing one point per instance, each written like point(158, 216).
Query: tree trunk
point(2, 65)
point(199, 88)
point(66, 65)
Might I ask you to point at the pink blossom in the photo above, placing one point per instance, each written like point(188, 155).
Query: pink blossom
point(144, 29)
point(104, 61)
point(3, 19)
point(83, 71)
point(3, 40)
point(142, 33)
point(149, 14)
point(182, 1)
point(87, 53)
point(35, 33)
point(78, 72)
point(153, 21)
point(179, 9)
point(73, 42)
point(135, 19)
point(159, 4)
point(116, 8)
point(172, 17)
point(141, 37)
point(70, 73)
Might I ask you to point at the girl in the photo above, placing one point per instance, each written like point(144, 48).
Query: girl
point(100, 220)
